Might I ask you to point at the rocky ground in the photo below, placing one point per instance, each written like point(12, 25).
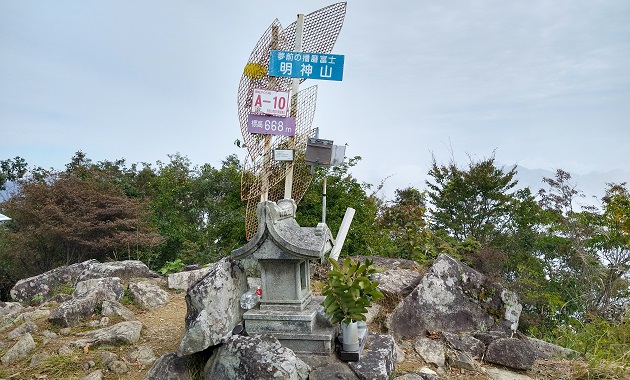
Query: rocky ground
point(162, 332)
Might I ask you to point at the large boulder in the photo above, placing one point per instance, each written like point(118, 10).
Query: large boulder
point(455, 298)
point(127, 332)
point(184, 280)
point(108, 288)
point(171, 367)
point(88, 295)
point(255, 357)
point(398, 282)
point(126, 270)
point(44, 284)
point(20, 350)
point(213, 306)
point(512, 353)
point(116, 309)
point(148, 295)
point(74, 310)
point(378, 359)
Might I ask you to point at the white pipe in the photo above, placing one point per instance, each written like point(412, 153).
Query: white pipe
point(343, 232)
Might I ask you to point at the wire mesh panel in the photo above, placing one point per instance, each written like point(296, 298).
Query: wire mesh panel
point(261, 174)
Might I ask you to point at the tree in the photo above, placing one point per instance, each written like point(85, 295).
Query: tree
point(404, 223)
point(343, 191)
point(65, 219)
point(472, 203)
point(612, 241)
point(223, 212)
point(11, 170)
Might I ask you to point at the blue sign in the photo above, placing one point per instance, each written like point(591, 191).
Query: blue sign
point(294, 64)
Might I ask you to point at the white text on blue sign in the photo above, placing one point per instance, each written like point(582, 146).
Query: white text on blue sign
point(293, 64)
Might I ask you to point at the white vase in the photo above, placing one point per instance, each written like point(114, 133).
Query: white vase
point(350, 337)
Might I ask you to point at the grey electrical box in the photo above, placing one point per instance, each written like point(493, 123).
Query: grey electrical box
point(320, 152)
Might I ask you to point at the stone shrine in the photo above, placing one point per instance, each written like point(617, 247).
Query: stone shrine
point(287, 307)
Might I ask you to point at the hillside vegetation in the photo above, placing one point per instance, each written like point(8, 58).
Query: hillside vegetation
point(569, 264)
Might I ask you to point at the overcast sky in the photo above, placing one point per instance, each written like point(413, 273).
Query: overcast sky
point(544, 83)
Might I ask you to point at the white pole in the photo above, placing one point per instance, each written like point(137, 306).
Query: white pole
point(343, 232)
point(324, 200)
point(288, 181)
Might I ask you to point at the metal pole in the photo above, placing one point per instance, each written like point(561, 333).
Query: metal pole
point(264, 195)
point(324, 200)
point(288, 181)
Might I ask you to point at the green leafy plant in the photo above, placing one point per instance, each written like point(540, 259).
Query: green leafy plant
point(172, 267)
point(349, 290)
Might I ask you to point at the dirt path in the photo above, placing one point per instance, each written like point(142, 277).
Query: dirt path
point(163, 330)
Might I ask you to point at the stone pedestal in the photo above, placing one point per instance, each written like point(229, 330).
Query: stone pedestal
point(303, 331)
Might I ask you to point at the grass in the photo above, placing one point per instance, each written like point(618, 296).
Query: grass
point(605, 346)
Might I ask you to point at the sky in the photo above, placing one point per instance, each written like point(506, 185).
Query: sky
point(540, 84)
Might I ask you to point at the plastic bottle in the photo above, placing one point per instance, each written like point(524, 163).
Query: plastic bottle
point(251, 298)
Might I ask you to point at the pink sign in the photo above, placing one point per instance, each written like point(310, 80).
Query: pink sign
point(271, 125)
point(268, 102)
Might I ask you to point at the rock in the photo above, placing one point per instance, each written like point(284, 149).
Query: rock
point(431, 351)
point(142, 355)
point(88, 365)
point(424, 374)
point(170, 367)
point(125, 270)
point(37, 358)
point(108, 288)
point(184, 280)
point(116, 309)
point(48, 336)
point(65, 350)
point(487, 337)
point(71, 312)
point(98, 323)
point(96, 375)
point(65, 331)
point(255, 357)
point(512, 353)
point(121, 333)
point(455, 298)
point(378, 359)
point(20, 350)
point(148, 295)
point(372, 312)
point(22, 329)
point(10, 308)
point(213, 307)
point(501, 374)
point(60, 298)
point(324, 367)
point(460, 359)
point(388, 262)
point(546, 350)
point(398, 282)
point(8, 313)
point(465, 343)
point(118, 366)
point(108, 357)
point(44, 284)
